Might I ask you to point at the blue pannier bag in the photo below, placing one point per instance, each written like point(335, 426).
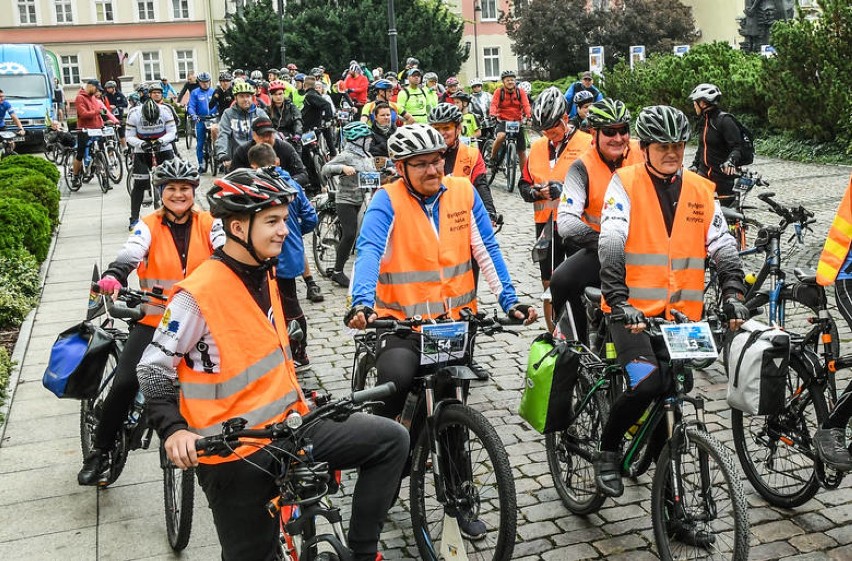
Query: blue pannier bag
point(77, 360)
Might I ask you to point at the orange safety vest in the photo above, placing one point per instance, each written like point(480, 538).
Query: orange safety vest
point(466, 158)
point(837, 244)
point(162, 266)
point(424, 272)
point(256, 378)
point(662, 272)
point(599, 175)
point(543, 170)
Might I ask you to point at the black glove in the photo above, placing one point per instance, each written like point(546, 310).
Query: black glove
point(555, 189)
point(627, 314)
point(734, 309)
point(523, 308)
point(353, 311)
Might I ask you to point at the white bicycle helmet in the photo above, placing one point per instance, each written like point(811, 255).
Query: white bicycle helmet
point(475, 82)
point(526, 86)
point(549, 108)
point(414, 140)
point(706, 92)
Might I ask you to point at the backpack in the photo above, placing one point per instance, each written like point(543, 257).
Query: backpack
point(552, 370)
point(757, 360)
point(747, 153)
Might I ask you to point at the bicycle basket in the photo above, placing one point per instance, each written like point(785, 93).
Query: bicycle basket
point(77, 360)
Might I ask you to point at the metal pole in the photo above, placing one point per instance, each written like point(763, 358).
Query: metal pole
point(476, 8)
point(281, 8)
point(392, 36)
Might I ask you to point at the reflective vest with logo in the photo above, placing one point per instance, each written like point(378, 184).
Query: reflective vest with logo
point(162, 266)
point(837, 244)
point(543, 169)
point(662, 272)
point(599, 176)
point(466, 158)
point(256, 378)
point(424, 272)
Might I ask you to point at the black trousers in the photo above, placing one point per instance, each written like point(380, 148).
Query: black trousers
point(142, 163)
point(293, 311)
point(348, 216)
point(839, 416)
point(237, 491)
point(554, 257)
point(567, 284)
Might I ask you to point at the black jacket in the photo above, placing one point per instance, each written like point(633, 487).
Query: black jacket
point(288, 120)
point(719, 140)
point(315, 110)
point(288, 159)
point(221, 99)
point(117, 101)
point(379, 146)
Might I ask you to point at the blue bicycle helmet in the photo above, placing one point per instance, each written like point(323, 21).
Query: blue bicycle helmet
point(383, 85)
point(299, 77)
point(204, 77)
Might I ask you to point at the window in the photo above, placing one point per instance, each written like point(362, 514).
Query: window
point(489, 10)
point(184, 63)
point(600, 4)
point(64, 13)
point(70, 70)
point(145, 10)
point(491, 60)
point(151, 66)
point(180, 9)
point(104, 11)
point(26, 12)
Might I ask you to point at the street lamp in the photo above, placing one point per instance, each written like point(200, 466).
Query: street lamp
point(477, 10)
point(282, 5)
point(392, 37)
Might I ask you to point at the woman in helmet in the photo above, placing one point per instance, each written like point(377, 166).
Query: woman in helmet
point(582, 101)
point(164, 247)
point(451, 87)
point(480, 98)
point(354, 158)
point(285, 116)
point(658, 209)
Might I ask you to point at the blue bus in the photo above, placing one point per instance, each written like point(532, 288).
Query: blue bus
point(27, 80)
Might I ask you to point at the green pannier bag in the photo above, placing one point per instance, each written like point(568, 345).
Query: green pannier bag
point(552, 369)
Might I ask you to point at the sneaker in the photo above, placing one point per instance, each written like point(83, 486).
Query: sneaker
point(95, 468)
point(830, 445)
point(608, 474)
point(480, 372)
point(76, 181)
point(147, 200)
point(340, 279)
point(690, 534)
point(202, 169)
point(302, 362)
point(471, 529)
point(315, 293)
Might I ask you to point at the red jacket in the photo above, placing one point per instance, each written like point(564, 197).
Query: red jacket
point(513, 106)
point(359, 85)
point(88, 111)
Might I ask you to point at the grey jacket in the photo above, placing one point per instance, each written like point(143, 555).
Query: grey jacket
point(235, 129)
point(352, 155)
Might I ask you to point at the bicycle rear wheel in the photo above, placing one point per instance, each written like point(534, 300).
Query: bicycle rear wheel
point(478, 486)
point(68, 173)
point(178, 499)
point(116, 164)
point(708, 519)
point(189, 131)
point(100, 168)
point(511, 166)
point(325, 241)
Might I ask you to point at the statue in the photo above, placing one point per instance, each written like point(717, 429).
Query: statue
point(759, 15)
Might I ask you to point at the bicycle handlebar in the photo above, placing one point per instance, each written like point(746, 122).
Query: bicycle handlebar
point(480, 320)
point(800, 214)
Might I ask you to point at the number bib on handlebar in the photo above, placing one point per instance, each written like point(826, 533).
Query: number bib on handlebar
point(689, 340)
point(94, 132)
point(309, 138)
point(109, 131)
point(513, 126)
point(369, 180)
point(7, 135)
point(443, 342)
point(344, 116)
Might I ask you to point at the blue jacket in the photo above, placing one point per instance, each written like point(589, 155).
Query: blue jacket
point(199, 102)
point(302, 220)
point(376, 230)
point(576, 87)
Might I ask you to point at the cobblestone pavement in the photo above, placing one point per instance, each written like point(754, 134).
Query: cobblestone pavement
point(45, 515)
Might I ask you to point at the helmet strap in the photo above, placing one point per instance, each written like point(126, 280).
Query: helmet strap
point(665, 176)
point(247, 243)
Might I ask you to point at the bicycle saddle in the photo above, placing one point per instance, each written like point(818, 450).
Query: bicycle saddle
point(593, 296)
point(730, 214)
point(802, 275)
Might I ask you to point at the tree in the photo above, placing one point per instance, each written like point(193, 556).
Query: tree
point(250, 39)
point(657, 24)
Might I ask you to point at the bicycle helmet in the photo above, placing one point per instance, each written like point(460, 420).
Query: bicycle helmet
point(239, 72)
point(452, 81)
point(411, 61)
point(583, 96)
point(706, 92)
point(608, 112)
point(273, 71)
point(414, 140)
point(256, 75)
point(383, 84)
point(429, 76)
point(292, 66)
point(248, 191)
point(417, 71)
point(662, 124)
point(460, 95)
point(110, 84)
point(142, 89)
point(150, 111)
point(299, 77)
point(225, 77)
point(355, 130)
point(241, 86)
point(390, 75)
point(317, 72)
point(277, 86)
point(475, 82)
point(176, 170)
point(204, 77)
point(155, 86)
point(549, 108)
point(508, 74)
point(445, 113)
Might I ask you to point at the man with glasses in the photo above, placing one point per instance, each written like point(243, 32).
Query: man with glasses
point(587, 83)
point(198, 107)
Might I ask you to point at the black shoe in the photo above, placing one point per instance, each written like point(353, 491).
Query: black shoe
point(690, 534)
point(340, 279)
point(830, 445)
point(95, 468)
point(480, 372)
point(302, 362)
point(315, 293)
point(202, 169)
point(131, 224)
point(471, 529)
point(608, 474)
point(76, 181)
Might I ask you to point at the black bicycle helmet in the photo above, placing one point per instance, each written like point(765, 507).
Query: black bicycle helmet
point(662, 124)
point(248, 191)
point(549, 108)
point(273, 71)
point(150, 111)
point(225, 77)
point(462, 96)
point(176, 170)
point(445, 113)
point(608, 112)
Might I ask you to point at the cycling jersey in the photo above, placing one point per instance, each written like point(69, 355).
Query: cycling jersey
point(5, 109)
point(469, 126)
point(222, 99)
point(199, 102)
point(164, 129)
point(417, 102)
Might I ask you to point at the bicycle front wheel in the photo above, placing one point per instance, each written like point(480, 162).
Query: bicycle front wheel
point(511, 166)
point(68, 173)
point(707, 518)
point(365, 374)
point(326, 238)
point(178, 499)
point(477, 490)
point(101, 170)
point(116, 165)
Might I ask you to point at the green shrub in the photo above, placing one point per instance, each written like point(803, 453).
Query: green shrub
point(6, 366)
point(20, 269)
point(24, 225)
point(15, 179)
point(47, 169)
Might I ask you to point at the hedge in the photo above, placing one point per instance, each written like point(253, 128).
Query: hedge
point(6, 365)
point(24, 225)
point(17, 179)
point(19, 287)
point(42, 166)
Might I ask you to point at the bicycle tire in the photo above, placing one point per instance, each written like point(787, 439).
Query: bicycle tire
point(712, 307)
point(100, 168)
point(116, 165)
point(511, 166)
point(573, 475)
point(325, 240)
point(53, 153)
point(365, 374)
point(178, 500)
point(68, 174)
point(189, 131)
point(427, 513)
point(724, 515)
point(796, 481)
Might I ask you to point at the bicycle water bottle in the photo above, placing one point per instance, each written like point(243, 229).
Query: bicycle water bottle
point(408, 410)
point(136, 411)
point(610, 351)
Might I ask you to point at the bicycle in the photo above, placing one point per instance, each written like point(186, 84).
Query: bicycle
point(471, 474)
point(115, 161)
point(209, 150)
point(507, 156)
point(153, 194)
point(7, 143)
point(695, 490)
point(178, 485)
point(189, 129)
point(95, 164)
point(305, 485)
point(743, 228)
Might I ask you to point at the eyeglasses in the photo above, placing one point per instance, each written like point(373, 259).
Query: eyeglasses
point(612, 131)
point(587, 79)
point(424, 166)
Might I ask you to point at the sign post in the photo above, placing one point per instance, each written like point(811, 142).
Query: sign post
point(596, 59)
point(637, 55)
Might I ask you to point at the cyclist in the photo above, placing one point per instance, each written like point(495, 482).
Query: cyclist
point(223, 98)
point(297, 94)
point(587, 83)
point(383, 127)
point(188, 87)
point(164, 247)
point(264, 132)
point(543, 175)
point(197, 107)
point(354, 158)
point(582, 101)
point(118, 104)
point(356, 84)
point(149, 126)
point(430, 79)
point(88, 117)
point(469, 126)
point(285, 116)
point(451, 87)
point(383, 89)
point(835, 267)
point(720, 142)
point(655, 210)
point(480, 98)
point(316, 112)
point(273, 74)
point(509, 103)
point(579, 214)
point(167, 89)
point(292, 69)
point(155, 92)
point(414, 99)
point(230, 299)
point(410, 63)
point(239, 74)
point(255, 78)
point(235, 122)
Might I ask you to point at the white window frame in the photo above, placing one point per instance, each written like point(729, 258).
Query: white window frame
point(193, 68)
point(72, 4)
point(136, 17)
point(95, 4)
point(142, 68)
point(188, 10)
point(35, 6)
point(496, 56)
point(482, 16)
point(63, 65)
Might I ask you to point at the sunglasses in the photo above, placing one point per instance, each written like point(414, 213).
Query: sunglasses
point(612, 131)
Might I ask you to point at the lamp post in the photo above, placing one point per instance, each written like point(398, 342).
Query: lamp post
point(282, 5)
point(392, 36)
point(477, 10)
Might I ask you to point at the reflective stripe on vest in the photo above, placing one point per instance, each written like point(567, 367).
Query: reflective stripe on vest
point(422, 275)
point(663, 273)
point(541, 171)
point(599, 175)
point(837, 244)
point(466, 158)
point(162, 266)
point(256, 378)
